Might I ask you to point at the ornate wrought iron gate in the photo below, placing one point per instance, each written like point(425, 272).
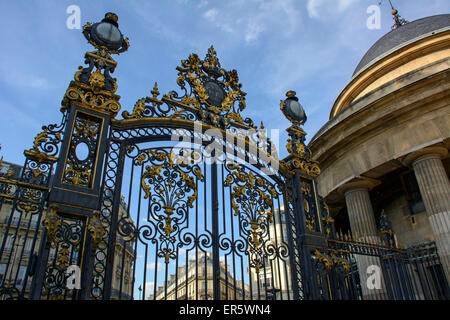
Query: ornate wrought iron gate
point(181, 199)
point(200, 218)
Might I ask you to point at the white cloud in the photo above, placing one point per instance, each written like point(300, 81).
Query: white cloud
point(344, 4)
point(312, 7)
point(252, 19)
point(272, 15)
point(211, 14)
point(254, 29)
point(319, 8)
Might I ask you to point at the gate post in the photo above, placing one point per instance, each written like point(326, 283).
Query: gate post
point(311, 223)
point(91, 103)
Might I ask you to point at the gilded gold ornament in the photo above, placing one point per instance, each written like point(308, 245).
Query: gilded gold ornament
point(52, 223)
point(96, 228)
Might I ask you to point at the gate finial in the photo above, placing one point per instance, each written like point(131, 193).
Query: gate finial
point(95, 89)
point(398, 20)
point(299, 158)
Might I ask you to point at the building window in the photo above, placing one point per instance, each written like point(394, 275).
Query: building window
point(21, 276)
point(412, 191)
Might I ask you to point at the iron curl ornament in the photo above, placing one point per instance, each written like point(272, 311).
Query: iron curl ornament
point(169, 181)
point(252, 200)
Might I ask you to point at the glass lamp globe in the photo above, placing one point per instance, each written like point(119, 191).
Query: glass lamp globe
point(294, 110)
point(109, 33)
point(106, 33)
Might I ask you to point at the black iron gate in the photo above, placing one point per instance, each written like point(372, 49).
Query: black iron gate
point(182, 199)
point(193, 230)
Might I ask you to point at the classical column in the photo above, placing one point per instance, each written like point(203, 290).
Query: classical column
point(435, 190)
point(362, 222)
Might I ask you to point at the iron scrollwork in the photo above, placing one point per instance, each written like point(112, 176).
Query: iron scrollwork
point(65, 237)
point(43, 154)
point(327, 261)
point(169, 181)
point(252, 200)
point(80, 171)
point(211, 95)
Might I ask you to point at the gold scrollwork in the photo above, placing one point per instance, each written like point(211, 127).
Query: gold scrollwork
point(197, 72)
point(309, 168)
point(52, 223)
point(171, 183)
point(331, 261)
point(81, 94)
point(310, 223)
point(251, 183)
point(79, 172)
point(96, 228)
point(299, 159)
point(340, 261)
point(39, 140)
point(252, 199)
point(323, 258)
point(328, 222)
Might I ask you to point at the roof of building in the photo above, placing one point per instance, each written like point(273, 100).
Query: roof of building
point(402, 36)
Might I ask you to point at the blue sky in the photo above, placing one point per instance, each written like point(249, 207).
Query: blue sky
point(310, 46)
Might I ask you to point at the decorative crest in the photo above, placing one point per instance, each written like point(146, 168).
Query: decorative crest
point(211, 95)
point(214, 92)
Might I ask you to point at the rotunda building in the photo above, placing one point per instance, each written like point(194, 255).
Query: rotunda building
point(385, 146)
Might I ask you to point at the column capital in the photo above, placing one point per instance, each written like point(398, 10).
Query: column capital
point(359, 183)
point(435, 151)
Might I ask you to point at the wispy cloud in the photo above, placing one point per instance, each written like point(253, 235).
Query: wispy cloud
point(211, 14)
point(249, 20)
point(17, 78)
point(318, 8)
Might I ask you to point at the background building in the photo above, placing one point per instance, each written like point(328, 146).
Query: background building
point(195, 282)
point(385, 146)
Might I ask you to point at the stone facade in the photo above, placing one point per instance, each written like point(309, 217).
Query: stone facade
point(392, 120)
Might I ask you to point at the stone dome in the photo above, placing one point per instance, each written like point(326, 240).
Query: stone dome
point(402, 36)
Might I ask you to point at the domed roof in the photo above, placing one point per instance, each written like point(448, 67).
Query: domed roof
point(403, 35)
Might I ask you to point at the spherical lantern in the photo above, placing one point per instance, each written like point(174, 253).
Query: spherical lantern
point(293, 110)
point(106, 34)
